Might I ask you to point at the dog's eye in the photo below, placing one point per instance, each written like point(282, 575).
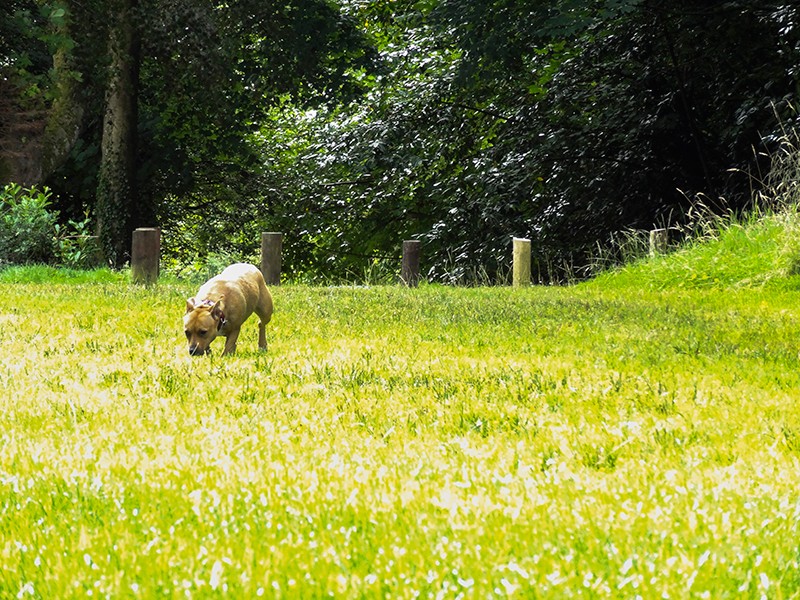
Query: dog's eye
point(188, 334)
point(203, 332)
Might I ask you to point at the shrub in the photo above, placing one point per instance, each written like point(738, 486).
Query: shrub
point(30, 232)
point(26, 225)
point(75, 247)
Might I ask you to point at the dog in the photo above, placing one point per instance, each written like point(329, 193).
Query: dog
point(223, 304)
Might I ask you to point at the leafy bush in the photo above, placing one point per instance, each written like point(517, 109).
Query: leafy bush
point(75, 246)
point(30, 232)
point(26, 225)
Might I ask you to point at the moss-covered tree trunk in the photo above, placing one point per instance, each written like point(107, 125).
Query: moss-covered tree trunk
point(117, 193)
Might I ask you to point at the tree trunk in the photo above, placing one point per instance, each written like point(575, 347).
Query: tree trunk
point(21, 131)
point(36, 140)
point(116, 192)
point(65, 119)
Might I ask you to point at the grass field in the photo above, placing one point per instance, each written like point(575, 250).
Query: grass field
point(636, 436)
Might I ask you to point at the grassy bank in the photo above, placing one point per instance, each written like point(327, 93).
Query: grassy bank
point(628, 437)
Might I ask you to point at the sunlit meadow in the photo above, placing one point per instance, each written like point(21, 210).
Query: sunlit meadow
point(599, 441)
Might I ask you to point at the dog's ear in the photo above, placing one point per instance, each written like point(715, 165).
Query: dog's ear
point(217, 309)
point(190, 304)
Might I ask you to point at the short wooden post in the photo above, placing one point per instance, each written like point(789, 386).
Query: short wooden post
point(658, 241)
point(145, 255)
point(522, 262)
point(409, 271)
point(271, 248)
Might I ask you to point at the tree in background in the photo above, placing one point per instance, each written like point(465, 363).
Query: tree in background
point(458, 122)
point(117, 195)
point(563, 121)
point(177, 143)
point(236, 65)
point(40, 108)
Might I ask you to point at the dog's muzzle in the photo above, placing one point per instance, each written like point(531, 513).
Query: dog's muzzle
point(198, 351)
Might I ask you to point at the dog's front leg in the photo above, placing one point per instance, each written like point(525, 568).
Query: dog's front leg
point(230, 342)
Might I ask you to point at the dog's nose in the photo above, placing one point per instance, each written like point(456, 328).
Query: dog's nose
point(196, 350)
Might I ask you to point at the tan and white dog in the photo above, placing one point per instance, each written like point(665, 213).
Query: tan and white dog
point(223, 304)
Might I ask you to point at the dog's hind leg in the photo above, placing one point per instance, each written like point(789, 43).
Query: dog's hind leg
point(262, 336)
point(264, 313)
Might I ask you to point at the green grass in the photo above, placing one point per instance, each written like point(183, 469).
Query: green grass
point(636, 436)
point(48, 275)
point(741, 253)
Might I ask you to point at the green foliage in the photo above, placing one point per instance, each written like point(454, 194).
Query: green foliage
point(26, 225)
point(209, 73)
point(460, 123)
point(30, 231)
point(564, 122)
point(205, 267)
point(209, 77)
point(30, 33)
point(76, 247)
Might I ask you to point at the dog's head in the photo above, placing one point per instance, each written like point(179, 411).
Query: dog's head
point(201, 323)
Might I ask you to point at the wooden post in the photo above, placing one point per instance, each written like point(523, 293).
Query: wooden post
point(145, 255)
point(522, 262)
point(271, 247)
point(409, 271)
point(658, 241)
